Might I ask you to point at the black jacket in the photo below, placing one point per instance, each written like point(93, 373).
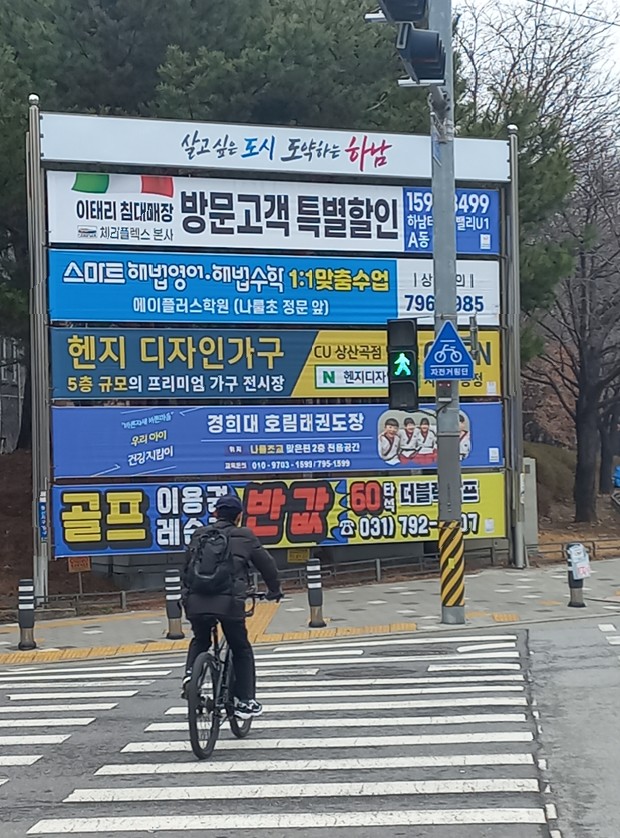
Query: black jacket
point(247, 552)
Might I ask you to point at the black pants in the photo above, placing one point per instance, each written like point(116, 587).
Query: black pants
point(236, 634)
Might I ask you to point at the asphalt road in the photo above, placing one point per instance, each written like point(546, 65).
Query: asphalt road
point(405, 736)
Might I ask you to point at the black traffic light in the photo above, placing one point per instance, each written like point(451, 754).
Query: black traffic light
point(422, 52)
point(403, 366)
point(405, 11)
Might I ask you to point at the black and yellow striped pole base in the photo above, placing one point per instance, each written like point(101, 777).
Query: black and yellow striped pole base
point(452, 572)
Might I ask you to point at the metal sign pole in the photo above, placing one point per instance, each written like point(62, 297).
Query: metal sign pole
point(451, 548)
point(514, 358)
point(38, 351)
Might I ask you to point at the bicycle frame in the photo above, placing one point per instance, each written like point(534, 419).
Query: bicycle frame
point(222, 658)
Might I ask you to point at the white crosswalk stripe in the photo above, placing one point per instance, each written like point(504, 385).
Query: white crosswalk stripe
point(36, 700)
point(403, 745)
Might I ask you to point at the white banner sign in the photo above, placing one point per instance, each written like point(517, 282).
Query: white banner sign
point(122, 141)
point(147, 211)
point(152, 211)
point(478, 291)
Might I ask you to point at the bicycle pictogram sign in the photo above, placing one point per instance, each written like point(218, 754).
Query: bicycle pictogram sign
point(448, 358)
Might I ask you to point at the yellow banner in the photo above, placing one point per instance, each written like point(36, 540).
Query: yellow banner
point(160, 517)
point(346, 363)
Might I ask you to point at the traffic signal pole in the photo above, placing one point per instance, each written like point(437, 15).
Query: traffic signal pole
point(451, 548)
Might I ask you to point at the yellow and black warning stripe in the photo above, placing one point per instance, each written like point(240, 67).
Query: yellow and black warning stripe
point(452, 563)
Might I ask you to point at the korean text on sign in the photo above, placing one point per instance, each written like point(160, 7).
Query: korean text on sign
point(154, 518)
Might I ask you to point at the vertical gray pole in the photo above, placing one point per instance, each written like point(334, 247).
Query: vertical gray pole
point(315, 592)
point(25, 615)
point(513, 351)
point(38, 347)
point(451, 551)
point(173, 605)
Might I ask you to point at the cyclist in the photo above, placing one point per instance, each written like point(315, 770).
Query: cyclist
point(228, 607)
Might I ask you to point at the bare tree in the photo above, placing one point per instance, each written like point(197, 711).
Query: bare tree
point(551, 58)
point(581, 361)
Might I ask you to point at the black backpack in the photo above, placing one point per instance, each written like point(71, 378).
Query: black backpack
point(209, 569)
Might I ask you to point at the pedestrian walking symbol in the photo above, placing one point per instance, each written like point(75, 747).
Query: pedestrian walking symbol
point(448, 358)
point(402, 365)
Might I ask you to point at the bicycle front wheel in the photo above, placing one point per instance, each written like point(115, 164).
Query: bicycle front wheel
point(202, 695)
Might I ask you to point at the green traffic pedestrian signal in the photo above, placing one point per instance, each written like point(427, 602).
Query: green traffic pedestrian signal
point(403, 364)
point(403, 373)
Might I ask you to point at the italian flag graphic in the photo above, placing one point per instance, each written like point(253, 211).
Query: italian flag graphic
point(98, 184)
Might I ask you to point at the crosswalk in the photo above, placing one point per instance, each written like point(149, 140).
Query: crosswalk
point(42, 707)
point(388, 742)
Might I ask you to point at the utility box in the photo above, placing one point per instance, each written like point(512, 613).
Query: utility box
point(531, 502)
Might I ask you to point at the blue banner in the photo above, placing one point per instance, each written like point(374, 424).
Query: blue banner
point(276, 439)
point(477, 221)
point(224, 288)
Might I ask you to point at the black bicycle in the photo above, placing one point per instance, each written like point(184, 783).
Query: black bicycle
point(211, 692)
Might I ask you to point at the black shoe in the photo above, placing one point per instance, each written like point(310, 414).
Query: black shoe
point(247, 709)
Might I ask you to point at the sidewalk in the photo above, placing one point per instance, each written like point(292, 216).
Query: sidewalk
point(494, 596)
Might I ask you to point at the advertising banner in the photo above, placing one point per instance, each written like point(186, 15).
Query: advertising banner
point(117, 286)
point(155, 518)
point(125, 141)
point(106, 364)
point(277, 439)
point(162, 211)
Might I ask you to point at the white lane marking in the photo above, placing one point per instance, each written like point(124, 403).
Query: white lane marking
point(389, 659)
point(455, 667)
point(49, 696)
point(283, 790)
point(57, 708)
point(78, 684)
point(490, 701)
point(130, 670)
point(485, 646)
point(551, 812)
point(24, 723)
point(292, 672)
point(372, 682)
point(19, 759)
point(401, 721)
point(288, 821)
point(35, 679)
point(607, 627)
point(347, 764)
point(41, 739)
point(337, 742)
point(309, 653)
point(310, 693)
point(92, 631)
point(614, 641)
point(397, 641)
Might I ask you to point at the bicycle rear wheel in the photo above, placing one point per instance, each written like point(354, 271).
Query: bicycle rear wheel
point(202, 698)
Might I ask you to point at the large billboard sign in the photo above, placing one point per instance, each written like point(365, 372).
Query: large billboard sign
point(106, 364)
point(123, 141)
point(86, 208)
point(194, 441)
point(118, 286)
point(147, 518)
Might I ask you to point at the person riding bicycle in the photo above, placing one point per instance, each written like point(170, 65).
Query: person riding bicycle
point(205, 603)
